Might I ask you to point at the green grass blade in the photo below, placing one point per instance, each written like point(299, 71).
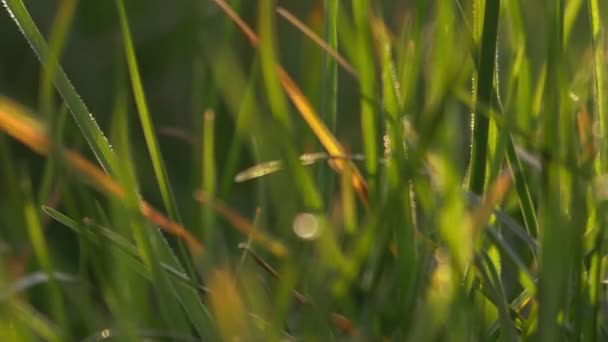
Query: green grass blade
point(154, 250)
point(36, 321)
point(521, 180)
point(58, 36)
point(85, 120)
point(571, 12)
point(599, 69)
point(59, 31)
point(396, 176)
point(154, 246)
point(268, 61)
point(243, 118)
point(120, 243)
point(507, 332)
point(160, 171)
point(483, 93)
point(557, 235)
point(187, 291)
point(51, 165)
point(208, 177)
point(329, 90)
point(41, 251)
point(523, 190)
point(364, 63)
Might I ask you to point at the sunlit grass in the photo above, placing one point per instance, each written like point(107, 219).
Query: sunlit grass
point(458, 190)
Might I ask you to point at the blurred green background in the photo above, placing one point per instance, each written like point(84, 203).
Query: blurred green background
point(532, 270)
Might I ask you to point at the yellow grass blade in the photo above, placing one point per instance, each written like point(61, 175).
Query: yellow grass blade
point(327, 139)
point(228, 306)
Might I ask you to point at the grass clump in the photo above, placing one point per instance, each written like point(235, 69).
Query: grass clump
point(476, 209)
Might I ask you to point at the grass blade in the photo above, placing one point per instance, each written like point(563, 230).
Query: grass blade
point(120, 243)
point(364, 63)
point(483, 93)
point(599, 68)
point(144, 116)
point(22, 127)
point(208, 178)
point(324, 135)
point(85, 120)
point(331, 47)
point(43, 257)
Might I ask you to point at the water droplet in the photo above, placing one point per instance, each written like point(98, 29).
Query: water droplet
point(307, 226)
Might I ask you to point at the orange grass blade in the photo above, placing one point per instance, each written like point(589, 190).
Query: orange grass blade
point(30, 132)
point(327, 139)
point(243, 225)
point(492, 197)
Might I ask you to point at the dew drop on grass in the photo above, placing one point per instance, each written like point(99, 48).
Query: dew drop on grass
point(307, 226)
point(12, 15)
point(39, 47)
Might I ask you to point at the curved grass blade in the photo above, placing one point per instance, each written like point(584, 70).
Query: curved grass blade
point(84, 119)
